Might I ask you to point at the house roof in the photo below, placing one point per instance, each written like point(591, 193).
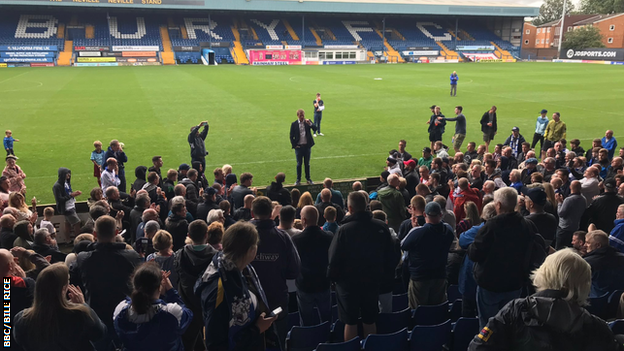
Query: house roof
point(596, 18)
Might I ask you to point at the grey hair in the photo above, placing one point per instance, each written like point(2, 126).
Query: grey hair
point(177, 200)
point(488, 212)
point(151, 227)
point(213, 216)
point(507, 197)
point(565, 271)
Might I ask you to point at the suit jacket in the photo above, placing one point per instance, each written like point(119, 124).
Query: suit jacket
point(294, 134)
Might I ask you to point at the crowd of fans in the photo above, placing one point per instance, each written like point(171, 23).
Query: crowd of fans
point(185, 260)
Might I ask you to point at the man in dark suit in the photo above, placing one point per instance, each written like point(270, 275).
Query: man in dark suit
point(302, 141)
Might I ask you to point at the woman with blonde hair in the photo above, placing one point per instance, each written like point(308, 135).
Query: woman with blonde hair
point(551, 203)
point(17, 201)
point(554, 318)
point(55, 322)
point(472, 218)
point(304, 200)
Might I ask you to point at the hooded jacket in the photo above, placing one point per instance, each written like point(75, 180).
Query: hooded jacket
point(60, 195)
point(178, 228)
point(545, 321)
point(459, 200)
point(393, 205)
point(140, 181)
point(190, 264)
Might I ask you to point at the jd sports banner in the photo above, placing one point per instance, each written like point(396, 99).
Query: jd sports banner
point(595, 54)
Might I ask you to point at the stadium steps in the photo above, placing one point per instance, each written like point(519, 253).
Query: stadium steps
point(503, 54)
point(290, 30)
point(168, 57)
point(183, 32)
point(464, 35)
point(89, 31)
point(370, 56)
point(284, 42)
point(61, 31)
point(240, 58)
point(448, 53)
point(319, 42)
point(452, 33)
point(392, 52)
point(65, 56)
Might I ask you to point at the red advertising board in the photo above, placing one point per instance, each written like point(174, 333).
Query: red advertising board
point(138, 54)
point(275, 57)
point(42, 64)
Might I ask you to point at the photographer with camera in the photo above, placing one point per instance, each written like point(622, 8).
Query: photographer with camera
point(196, 142)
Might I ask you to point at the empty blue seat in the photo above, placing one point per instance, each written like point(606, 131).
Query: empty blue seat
point(307, 338)
point(453, 293)
point(456, 310)
point(337, 332)
point(393, 322)
point(430, 337)
point(464, 331)
point(431, 315)
point(378, 342)
point(351, 345)
point(294, 320)
point(613, 303)
point(598, 305)
point(399, 302)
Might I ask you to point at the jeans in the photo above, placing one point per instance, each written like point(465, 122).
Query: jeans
point(10, 152)
point(453, 89)
point(317, 122)
point(307, 302)
point(469, 306)
point(303, 156)
point(489, 303)
point(537, 137)
point(563, 238)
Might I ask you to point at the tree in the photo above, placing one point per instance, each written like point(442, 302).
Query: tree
point(551, 11)
point(582, 38)
point(602, 6)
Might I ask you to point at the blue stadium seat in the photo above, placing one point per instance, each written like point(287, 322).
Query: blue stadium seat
point(351, 345)
point(337, 332)
point(395, 342)
point(399, 302)
point(463, 332)
point(294, 320)
point(613, 303)
point(431, 315)
point(307, 338)
point(598, 305)
point(430, 337)
point(392, 322)
point(617, 327)
point(453, 293)
point(456, 310)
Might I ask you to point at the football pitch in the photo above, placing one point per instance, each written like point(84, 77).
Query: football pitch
point(58, 112)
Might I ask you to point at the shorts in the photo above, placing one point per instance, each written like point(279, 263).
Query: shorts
point(458, 140)
point(436, 136)
point(71, 217)
point(547, 145)
point(354, 303)
point(488, 136)
point(97, 172)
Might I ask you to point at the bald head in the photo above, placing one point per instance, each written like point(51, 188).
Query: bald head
point(7, 221)
point(326, 195)
point(463, 183)
point(248, 200)
point(357, 186)
point(309, 216)
point(575, 187)
point(393, 180)
point(6, 262)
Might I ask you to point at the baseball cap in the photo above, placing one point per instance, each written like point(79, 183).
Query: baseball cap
point(410, 163)
point(427, 149)
point(515, 129)
point(532, 160)
point(433, 209)
point(609, 183)
point(537, 195)
point(391, 159)
point(211, 191)
point(445, 160)
point(544, 111)
point(184, 167)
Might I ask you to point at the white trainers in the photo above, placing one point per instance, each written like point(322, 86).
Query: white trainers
point(314, 135)
point(321, 134)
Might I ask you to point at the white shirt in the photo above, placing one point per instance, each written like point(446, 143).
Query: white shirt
point(302, 133)
point(109, 178)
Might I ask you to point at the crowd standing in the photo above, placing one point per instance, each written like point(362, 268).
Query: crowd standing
point(187, 260)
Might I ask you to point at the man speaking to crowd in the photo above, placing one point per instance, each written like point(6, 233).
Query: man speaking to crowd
point(302, 141)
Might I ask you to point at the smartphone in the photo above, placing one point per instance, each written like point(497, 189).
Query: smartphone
point(276, 311)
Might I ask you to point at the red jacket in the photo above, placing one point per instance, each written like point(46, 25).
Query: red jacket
point(470, 194)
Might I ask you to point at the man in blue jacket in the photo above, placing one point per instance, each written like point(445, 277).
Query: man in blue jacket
point(609, 143)
point(428, 248)
point(454, 79)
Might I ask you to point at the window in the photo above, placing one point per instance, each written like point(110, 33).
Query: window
point(547, 40)
point(345, 55)
point(536, 41)
point(528, 31)
point(548, 30)
point(352, 55)
point(538, 30)
point(612, 27)
point(542, 41)
point(610, 40)
point(526, 42)
point(329, 55)
point(569, 29)
point(321, 55)
point(338, 55)
point(310, 54)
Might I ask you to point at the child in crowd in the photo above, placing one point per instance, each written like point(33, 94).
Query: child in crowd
point(46, 222)
point(163, 244)
point(330, 220)
point(8, 142)
point(97, 157)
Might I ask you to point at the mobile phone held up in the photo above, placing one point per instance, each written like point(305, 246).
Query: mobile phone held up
point(276, 311)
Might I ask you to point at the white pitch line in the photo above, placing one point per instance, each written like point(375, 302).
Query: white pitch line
point(312, 158)
point(21, 74)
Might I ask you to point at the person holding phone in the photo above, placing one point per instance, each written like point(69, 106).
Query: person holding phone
point(196, 140)
point(234, 305)
point(319, 106)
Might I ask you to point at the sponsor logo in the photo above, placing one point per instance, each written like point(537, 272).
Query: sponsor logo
point(422, 53)
point(595, 54)
point(96, 64)
point(96, 59)
point(295, 47)
point(136, 48)
point(26, 59)
point(48, 64)
point(186, 48)
point(340, 46)
point(339, 62)
point(270, 63)
point(26, 54)
point(28, 48)
point(91, 48)
point(89, 53)
point(570, 53)
point(3, 65)
point(475, 48)
point(138, 54)
point(275, 47)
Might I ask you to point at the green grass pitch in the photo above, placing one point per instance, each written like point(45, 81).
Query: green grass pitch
point(57, 113)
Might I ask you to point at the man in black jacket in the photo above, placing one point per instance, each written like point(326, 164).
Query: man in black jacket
point(176, 224)
point(7, 237)
point(489, 127)
point(210, 203)
point(104, 275)
point(360, 257)
point(601, 212)
point(242, 190)
point(607, 264)
point(277, 192)
point(141, 204)
point(192, 191)
point(326, 197)
point(312, 284)
point(504, 254)
point(411, 176)
point(196, 141)
point(190, 262)
point(65, 202)
point(44, 246)
point(302, 141)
